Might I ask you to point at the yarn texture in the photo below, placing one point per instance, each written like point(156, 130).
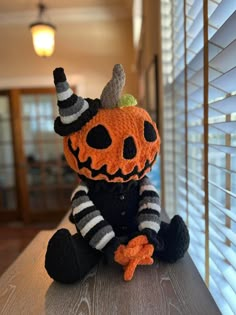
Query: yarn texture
point(111, 144)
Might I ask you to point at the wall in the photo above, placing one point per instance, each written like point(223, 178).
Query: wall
point(150, 45)
point(151, 40)
point(87, 51)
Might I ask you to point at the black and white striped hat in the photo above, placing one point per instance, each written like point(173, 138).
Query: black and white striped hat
point(74, 110)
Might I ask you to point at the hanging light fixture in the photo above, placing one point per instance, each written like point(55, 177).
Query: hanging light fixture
point(43, 34)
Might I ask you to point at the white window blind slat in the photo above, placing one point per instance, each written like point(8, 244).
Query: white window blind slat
point(192, 87)
point(196, 63)
point(195, 188)
point(225, 251)
point(227, 271)
point(197, 78)
point(216, 224)
point(194, 211)
point(196, 208)
point(224, 210)
point(215, 94)
point(223, 305)
point(196, 44)
point(196, 144)
point(195, 159)
point(194, 173)
point(223, 148)
point(224, 60)
point(224, 127)
point(223, 11)
point(223, 169)
point(226, 291)
point(225, 106)
point(194, 9)
point(195, 129)
point(214, 74)
point(228, 192)
point(196, 112)
point(196, 96)
point(196, 25)
point(197, 233)
point(224, 36)
point(226, 81)
point(204, 166)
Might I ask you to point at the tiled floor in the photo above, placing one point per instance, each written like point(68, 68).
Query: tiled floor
point(14, 238)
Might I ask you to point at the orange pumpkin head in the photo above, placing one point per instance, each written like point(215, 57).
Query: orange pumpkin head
point(106, 141)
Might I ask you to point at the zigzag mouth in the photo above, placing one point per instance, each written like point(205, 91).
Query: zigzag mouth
point(103, 169)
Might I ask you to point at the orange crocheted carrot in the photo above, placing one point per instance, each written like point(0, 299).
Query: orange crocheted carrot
point(120, 257)
point(137, 252)
point(142, 258)
point(125, 253)
point(138, 240)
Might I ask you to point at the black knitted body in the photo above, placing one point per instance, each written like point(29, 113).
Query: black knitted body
point(70, 258)
point(118, 205)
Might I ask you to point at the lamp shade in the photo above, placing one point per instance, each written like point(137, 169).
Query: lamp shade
point(43, 38)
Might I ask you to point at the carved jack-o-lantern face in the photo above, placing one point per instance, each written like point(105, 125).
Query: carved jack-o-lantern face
point(116, 145)
point(108, 139)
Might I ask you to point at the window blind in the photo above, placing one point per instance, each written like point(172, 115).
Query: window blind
point(199, 75)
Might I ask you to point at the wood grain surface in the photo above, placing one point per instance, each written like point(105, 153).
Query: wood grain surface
point(25, 288)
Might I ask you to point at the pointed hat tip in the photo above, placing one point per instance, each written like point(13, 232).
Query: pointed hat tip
point(59, 75)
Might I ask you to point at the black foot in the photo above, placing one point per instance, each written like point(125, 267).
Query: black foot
point(174, 240)
point(62, 261)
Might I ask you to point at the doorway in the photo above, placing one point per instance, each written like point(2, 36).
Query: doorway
point(35, 181)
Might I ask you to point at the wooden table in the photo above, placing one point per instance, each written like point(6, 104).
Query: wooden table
point(25, 288)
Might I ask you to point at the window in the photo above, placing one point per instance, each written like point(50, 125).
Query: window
point(199, 136)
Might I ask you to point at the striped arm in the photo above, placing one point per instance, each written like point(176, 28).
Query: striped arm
point(89, 220)
point(149, 206)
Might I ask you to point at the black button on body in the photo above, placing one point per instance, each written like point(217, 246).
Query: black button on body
point(123, 213)
point(122, 197)
point(124, 228)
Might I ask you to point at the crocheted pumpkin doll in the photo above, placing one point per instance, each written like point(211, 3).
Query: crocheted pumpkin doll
point(111, 144)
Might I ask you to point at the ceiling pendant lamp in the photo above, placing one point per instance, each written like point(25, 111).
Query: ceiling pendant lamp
point(43, 34)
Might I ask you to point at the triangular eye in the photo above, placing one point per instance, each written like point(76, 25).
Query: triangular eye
point(129, 150)
point(149, 132)
point(98, 137)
